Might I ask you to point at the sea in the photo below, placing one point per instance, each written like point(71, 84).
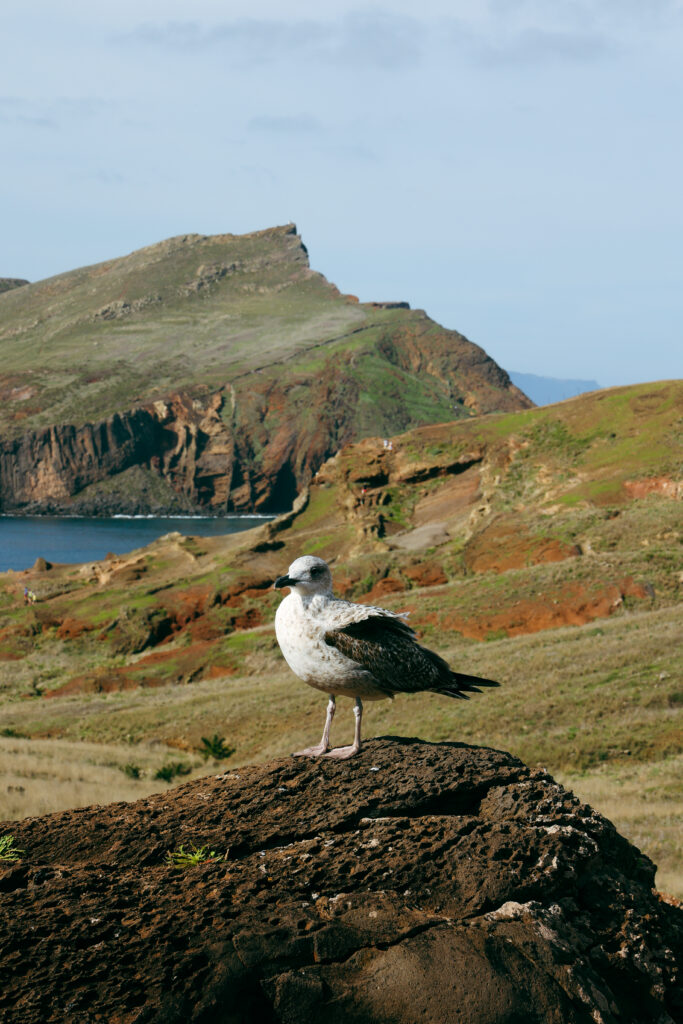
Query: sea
point(85, 539)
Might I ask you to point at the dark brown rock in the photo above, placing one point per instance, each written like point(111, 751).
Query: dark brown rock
point(431, 882)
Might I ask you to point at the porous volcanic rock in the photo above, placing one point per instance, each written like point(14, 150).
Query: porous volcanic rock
point(430, 882)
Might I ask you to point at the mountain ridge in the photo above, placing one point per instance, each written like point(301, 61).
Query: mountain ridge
point(243, 368)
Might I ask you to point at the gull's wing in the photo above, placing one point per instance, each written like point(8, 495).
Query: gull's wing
point(385, 645)
point(342, 613)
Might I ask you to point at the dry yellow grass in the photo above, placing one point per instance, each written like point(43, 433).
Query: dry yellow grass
point(568, 696)
point(41, 777)
point(644, 802)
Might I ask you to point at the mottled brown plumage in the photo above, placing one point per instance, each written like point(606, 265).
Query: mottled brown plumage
point(388, 649)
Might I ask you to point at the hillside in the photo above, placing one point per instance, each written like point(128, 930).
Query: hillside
point(417, 882)
point(541, 548)
point(212, 373)
point(7, 283)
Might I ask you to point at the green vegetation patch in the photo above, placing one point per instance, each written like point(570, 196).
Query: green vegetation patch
point(9, 853)
point(181, 859)
point(322, 504)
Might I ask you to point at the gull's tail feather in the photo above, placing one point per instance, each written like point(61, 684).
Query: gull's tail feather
point(460, 685)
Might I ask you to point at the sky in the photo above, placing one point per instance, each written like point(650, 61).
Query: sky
point(513, 167)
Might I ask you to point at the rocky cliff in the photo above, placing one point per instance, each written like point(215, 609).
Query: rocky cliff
point(434, 882)
point(222, 370)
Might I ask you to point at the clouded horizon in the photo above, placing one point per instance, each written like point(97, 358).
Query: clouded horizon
point(513, 167)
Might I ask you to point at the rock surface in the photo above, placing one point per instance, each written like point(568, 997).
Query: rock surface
point(431, 882)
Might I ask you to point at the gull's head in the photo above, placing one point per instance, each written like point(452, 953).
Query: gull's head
point(308, 574)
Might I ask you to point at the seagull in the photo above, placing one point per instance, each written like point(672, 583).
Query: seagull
point(354, 650)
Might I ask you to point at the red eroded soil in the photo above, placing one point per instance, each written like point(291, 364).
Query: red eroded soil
point(571, 605)
point(216, 671)
point(183, 664)
point(10, 656)
point(246, 586)
point(382, 587)
point(234, 598)
point(426, 574)
point(102, 681)
point(186, 605)
point(204, 629)
point(179, 743)
point(504, 546)
point(663, 485)
point(72, 628)
point(343, 585)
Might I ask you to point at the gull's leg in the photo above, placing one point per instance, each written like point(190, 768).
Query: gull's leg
point(324, 744)
point(342, 753)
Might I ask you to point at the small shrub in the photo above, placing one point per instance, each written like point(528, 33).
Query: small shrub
point(9, 854)
point(133, 771)
point(168, 772)
point(215, 746)
point(182, 859)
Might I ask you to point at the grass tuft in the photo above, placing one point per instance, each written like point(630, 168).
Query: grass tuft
point(168, 772)
point(214, 746)
point(182, 859)
point(9, 854)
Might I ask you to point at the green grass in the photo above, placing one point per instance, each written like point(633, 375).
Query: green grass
point(575, 700)
point(122, 355)
point(399, 505)
point(215, 747)
point(599, 704)
point(321, 504)
point(621, 690)
point(172, 770)
point(621, 433)
point(9, 853)
point(183, 859)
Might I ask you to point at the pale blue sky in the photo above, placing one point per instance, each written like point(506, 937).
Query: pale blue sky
point(513, 167)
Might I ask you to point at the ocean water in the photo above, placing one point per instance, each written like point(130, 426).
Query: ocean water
point(82, 539)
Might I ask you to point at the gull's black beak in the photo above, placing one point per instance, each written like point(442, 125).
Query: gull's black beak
point(283, 581)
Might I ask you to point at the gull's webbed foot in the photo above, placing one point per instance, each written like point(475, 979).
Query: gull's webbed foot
point(311, 751)
point(343, 753)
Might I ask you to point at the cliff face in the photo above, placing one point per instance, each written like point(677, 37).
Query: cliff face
point(254, 443)
point(223, 370)
point(51, 464)
point(434, 882)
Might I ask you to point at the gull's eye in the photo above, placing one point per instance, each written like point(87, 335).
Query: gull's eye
point(316, 570)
